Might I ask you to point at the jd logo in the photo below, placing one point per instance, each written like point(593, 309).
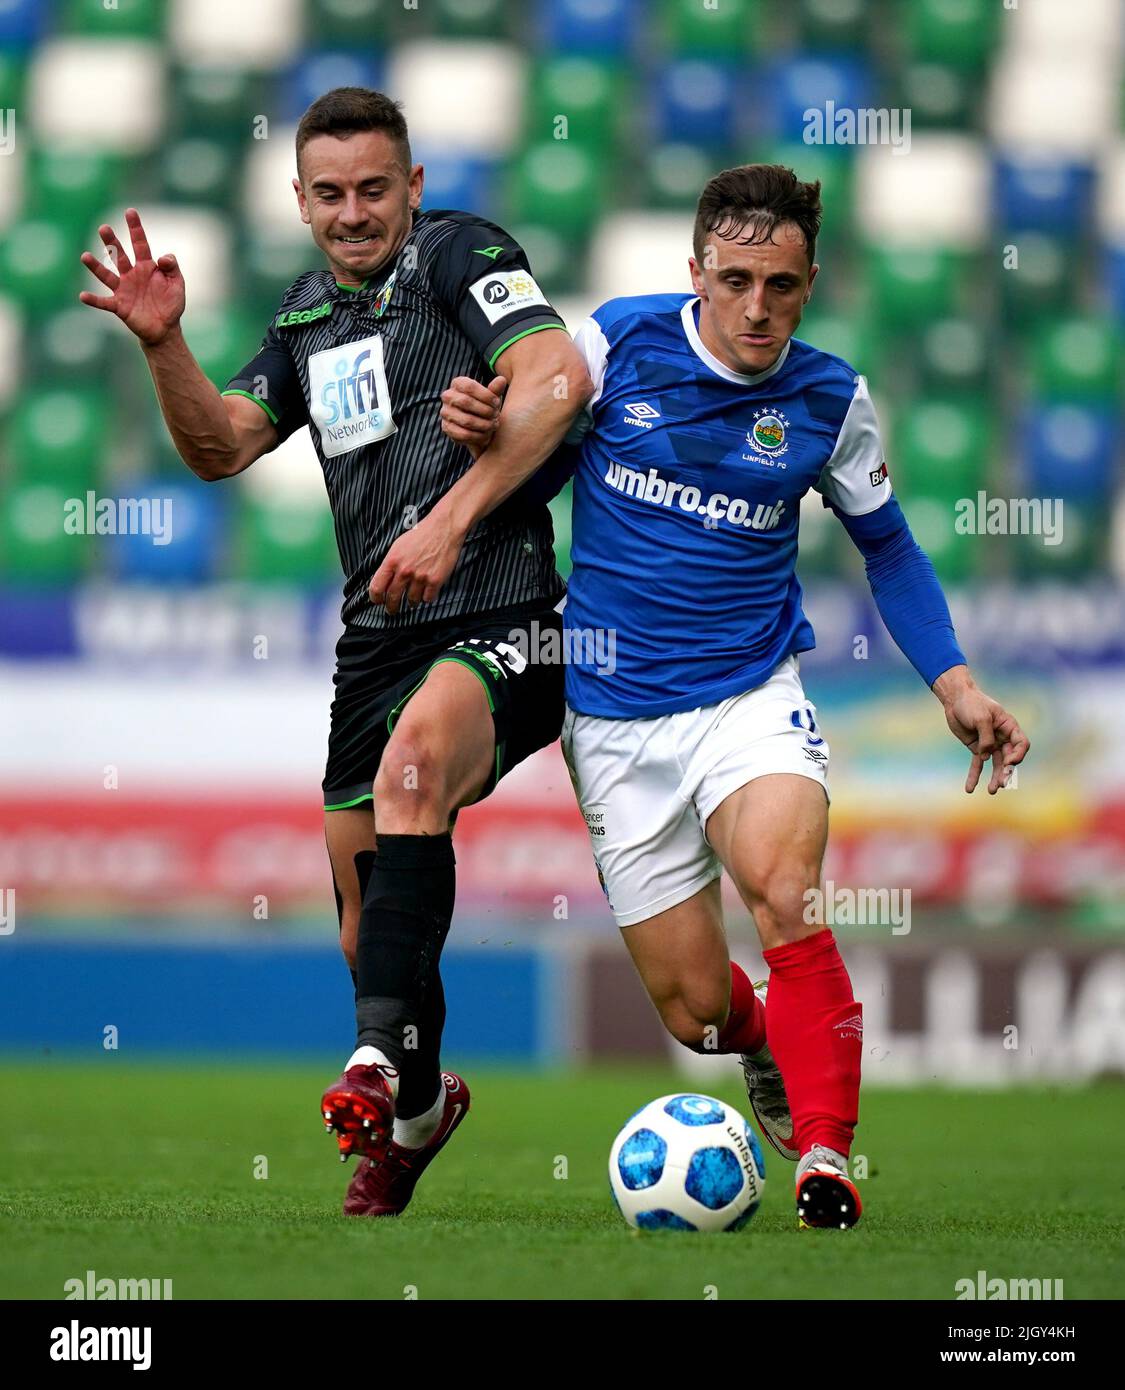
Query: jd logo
point(496, 292)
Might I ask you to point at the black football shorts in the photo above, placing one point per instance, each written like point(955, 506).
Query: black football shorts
point(378, 672)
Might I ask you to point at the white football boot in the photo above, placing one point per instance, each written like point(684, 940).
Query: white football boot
point(765, 1091)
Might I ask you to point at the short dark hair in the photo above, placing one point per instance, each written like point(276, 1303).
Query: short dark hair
point(346, 110)
point(746, 204)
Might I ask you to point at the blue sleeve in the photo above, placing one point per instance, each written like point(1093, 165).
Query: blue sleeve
point(551, 476)
point(905, 589)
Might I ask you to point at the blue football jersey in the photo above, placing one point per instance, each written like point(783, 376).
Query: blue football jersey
point(687, 494)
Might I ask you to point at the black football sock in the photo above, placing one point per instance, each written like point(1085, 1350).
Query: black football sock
point(420, 1073)
point(407, 910)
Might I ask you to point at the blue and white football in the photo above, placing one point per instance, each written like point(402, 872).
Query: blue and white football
point(687, 1163)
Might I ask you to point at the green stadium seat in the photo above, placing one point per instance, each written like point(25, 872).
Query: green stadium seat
point(286, 541)
point(34, 548)
point(590, 94)
point(39, 264)
point(938, 95)
point(952, 31)
point(199, 169)
point(336, 23)
point(835, 168)
point(59, 434)
point(559, 262)
point(74, 189)
point(932, 519)
point(675, 174)
point(220, 102)
point(911, 286)
point(557, 184)
point(1081, 553)
point(828, 24)
point(846, 335)
point(133, 19)
point(952, 356)
point(1079, 359)
point(269, 267)
point(1037, 281)
point(472, 19)
point(74, 344)
point(13, 77)
point(942, 448)
point(723, 30)
point(560, 519)
point(222, 341)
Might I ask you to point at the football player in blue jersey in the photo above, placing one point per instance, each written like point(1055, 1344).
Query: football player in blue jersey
point(700, 750)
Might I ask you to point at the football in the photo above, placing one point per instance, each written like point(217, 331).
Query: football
point(687, 1163)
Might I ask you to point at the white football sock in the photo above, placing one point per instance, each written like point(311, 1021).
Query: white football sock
point(368, 1056)
point(412, 1134)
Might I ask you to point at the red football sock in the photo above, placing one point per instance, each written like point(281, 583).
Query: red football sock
point(745, 1028)
point(815, 1031)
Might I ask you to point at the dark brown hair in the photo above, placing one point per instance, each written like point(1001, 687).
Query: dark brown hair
point(746, 204)
point(345, 110)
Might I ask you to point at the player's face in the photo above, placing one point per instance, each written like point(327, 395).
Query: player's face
point(752, 297)
point(357, 199)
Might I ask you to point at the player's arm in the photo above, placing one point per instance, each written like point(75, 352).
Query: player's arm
point(216, 436)
point(483, 282)
point(909, 598)
point(546, 385)
point(470, 415)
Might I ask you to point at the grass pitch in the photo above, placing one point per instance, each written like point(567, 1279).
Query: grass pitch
point(149, 1172)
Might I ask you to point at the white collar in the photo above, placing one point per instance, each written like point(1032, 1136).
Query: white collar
point(687, 318)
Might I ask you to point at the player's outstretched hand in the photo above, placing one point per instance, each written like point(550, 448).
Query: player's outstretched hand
point(470, 412)
point(988, 731)
point(146, 295)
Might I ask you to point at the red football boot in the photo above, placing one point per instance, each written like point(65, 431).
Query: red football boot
point(360, 1107)
point(384, 1187)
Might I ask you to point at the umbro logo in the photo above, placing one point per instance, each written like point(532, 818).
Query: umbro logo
point(851, 1027)
point(642, 414)
point(490, 251)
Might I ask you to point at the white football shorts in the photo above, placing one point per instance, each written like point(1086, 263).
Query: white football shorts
point(647, 786)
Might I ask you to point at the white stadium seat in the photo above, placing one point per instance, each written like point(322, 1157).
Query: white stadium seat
point(68, 87)
point(640, 253)
point(1046, 106)
point(460, 97)
point(12, 178)
point(258, 34)
point(200, 241)
point(1111, 194)
point(938, 194)
point(291, 472)
point(268, 199)
point(1066, 30)
point(11, 355)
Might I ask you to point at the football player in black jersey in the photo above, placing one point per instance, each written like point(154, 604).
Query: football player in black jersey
point(436, 696)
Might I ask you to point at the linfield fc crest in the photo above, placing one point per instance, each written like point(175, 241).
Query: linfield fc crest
point(769, 435)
